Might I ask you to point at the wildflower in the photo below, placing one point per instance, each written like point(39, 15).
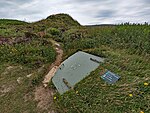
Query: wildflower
point(146, 84)
point(55, 98)
point(141, 111)
point(130, 95)
point(77, 92)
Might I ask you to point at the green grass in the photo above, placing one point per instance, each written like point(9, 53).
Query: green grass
point(18, 97)
point(12, 28)
point(10, 31)
point(25, 58)
point(11, 22)
point(125, 48)
point(95, 96)
point(134, 38)
point(31, 57)
point(33, 54)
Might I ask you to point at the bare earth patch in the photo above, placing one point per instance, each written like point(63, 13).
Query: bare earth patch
point(5, 89)
point(44, 96)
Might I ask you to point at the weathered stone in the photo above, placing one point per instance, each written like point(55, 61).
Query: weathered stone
point(29, 75)
point(19, 80)
point(49, 76)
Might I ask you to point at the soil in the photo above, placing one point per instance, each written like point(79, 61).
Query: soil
point(54, 66)
point(44, 96)
point(11, 41)
point(4, 40)
point(4, 89)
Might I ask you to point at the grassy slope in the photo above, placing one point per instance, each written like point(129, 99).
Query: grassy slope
point(126, 49)
point(96, 96)
point(31, 55)
point(24, 58)
point(12, 28)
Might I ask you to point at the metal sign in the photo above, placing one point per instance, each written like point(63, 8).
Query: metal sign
point(110, 77)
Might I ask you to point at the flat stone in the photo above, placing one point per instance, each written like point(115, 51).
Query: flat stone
point(19, 80)
point(74, 69)
point(29, 75)
point(57, 44)
point(49, 76)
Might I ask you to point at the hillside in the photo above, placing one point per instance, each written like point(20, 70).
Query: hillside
point(27, 52)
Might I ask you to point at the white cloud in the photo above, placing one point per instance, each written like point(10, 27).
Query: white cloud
point(85, 11)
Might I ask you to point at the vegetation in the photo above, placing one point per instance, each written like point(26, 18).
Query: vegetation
point(127, 52)
point(17, 90)
point(24, 58)
point(94, 95)
point(134, 38)
point(33, 54)
point(11, 22)
point(27, 50)
point(12, 28)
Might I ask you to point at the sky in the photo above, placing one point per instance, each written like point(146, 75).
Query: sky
point(86, 12)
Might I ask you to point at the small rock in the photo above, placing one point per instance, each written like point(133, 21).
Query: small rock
point(29, 75)
point(21, 67)
point(57, 48)
point(45, 85)
point(49, 76)
point(57, 44)
point(19, 80)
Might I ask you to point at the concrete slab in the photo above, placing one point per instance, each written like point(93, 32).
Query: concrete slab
point(74, 69)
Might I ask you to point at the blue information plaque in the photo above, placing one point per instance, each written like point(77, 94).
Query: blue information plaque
point(110, 77)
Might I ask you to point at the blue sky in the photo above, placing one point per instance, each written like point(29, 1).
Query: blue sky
point(84, 11)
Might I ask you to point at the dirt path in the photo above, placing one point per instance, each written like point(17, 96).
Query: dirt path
point(44, 95)
point(54, 66)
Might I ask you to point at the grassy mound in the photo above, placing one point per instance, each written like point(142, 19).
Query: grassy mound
point(93, 95)
point(32, 54)
point(125, 48)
